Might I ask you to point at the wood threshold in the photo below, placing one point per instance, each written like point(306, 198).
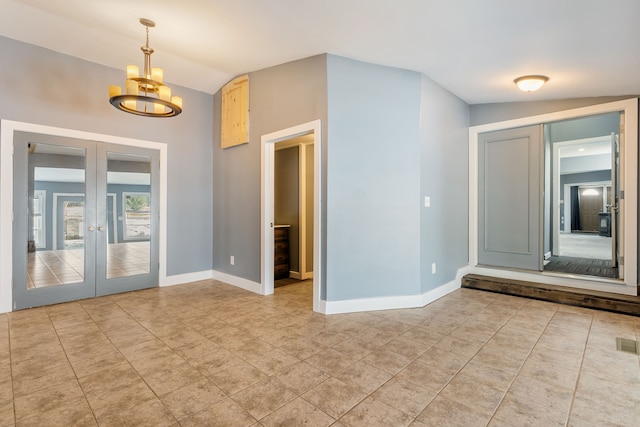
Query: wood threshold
point(598, 300)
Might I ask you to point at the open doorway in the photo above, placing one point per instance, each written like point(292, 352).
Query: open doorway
point(293, 211)
point(580, 176)
point(514, 206)
point(291, 227)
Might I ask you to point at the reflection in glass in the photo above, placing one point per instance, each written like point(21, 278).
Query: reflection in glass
point(73, 223)
point(56, 215)
point(128, 214)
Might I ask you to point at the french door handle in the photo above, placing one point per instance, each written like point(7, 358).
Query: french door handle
point(100, 228)
point(91, 228)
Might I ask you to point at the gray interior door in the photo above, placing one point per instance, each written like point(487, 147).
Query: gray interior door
point(62, 268)
point(127, 256)
point(85, 219)
point(510, 198)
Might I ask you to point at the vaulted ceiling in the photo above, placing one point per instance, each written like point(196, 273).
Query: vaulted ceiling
point(473, 48)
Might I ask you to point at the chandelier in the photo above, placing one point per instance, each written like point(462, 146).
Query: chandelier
point(145, 95)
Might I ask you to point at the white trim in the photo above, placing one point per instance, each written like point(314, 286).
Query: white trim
point(394, 302)
point(239, 282)
point(7, 129)
point(267, 150)
point(629, 184)
point(295, 275)
point(181, 279)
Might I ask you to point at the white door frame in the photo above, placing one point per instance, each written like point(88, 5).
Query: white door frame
point(628, 178)
point(267, 143)
point(7, 129)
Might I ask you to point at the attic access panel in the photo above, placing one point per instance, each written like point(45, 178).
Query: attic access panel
point(234, 123)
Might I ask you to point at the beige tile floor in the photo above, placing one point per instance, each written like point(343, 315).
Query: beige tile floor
point(207, 353)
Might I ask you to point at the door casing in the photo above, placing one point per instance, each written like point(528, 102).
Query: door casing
point(267, 143)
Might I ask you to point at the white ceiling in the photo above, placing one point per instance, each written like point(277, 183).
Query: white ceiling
point(590, 147)
point(474, 48)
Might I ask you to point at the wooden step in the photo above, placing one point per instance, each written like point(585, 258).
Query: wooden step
point(559, 294)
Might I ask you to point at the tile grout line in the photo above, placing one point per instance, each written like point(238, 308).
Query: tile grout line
point(575, 387)
point(521, 365)
point(13, 387)
point(93, 414)
point(125, 358)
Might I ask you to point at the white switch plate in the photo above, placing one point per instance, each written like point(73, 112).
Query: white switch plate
point(232, 260)
point(433, 268)
point(427, 201)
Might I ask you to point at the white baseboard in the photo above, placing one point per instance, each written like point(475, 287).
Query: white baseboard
point(330, 307)
point(179, 279)
point(295, 275)
point(301, 276)
point(240, 282)
point(392, 302)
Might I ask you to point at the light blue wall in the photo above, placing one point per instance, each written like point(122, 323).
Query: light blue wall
point(584, 127)
point(373, 180)
point(444, 234)
point(47, 88)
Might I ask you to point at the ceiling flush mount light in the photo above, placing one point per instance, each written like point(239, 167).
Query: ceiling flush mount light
point(145, 95)
point(530, 83)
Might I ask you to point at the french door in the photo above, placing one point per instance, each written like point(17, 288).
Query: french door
point(85, 219)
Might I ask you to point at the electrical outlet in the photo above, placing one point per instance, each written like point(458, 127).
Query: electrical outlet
point(433, 268)
point(232, 260)
point(427, 201)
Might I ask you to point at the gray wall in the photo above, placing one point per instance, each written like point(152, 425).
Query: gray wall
point(309, 201)
point(286, 205)
point(44, 87)
point(584, 127)
point(444, 154)
point(491, 113)
point(280, 97)
point(373, 183)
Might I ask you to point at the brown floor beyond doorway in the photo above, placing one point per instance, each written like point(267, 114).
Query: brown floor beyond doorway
point(581, 266)
point(284, 282)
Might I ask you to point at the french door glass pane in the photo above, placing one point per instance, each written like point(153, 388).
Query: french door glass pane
point(55, 258)
point(128, 214)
